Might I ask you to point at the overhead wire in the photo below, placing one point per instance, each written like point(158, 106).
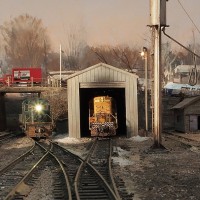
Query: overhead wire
point(193, 74)
point(189, 16)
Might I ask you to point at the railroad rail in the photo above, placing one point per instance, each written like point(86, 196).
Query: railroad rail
point(5, 137)
point(25, 170)
point(12, 173)
point(73, 177)
point(188, 142)
point(94, 179)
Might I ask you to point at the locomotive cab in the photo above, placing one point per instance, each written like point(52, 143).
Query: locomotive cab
point(102, 116)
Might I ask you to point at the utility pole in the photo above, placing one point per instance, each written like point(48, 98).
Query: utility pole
point(144, 54)
point(60, 65)
point(158, 20)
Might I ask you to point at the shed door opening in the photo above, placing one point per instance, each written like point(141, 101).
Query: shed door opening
point(86, 94)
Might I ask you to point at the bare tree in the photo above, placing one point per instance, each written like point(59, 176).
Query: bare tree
point(26, 41)
point(119, 56)
point(73, 47)
point(58, 110)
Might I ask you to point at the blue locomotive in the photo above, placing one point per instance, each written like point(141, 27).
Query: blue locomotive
point(36, 118)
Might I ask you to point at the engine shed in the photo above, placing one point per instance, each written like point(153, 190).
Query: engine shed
point(98, 80)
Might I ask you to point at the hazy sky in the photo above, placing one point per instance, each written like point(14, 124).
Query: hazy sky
point(105, 21)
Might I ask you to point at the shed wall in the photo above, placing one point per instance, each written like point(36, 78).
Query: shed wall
point(179, 118)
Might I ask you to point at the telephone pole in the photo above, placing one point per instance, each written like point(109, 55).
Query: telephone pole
point(158, 20)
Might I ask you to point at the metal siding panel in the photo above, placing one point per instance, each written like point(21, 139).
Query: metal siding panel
point(128, 121)
point(80, 78)
point(92, 75)
point(119, 76)
point(77, 107)
point(70, 117)
point(72, 131)
point(107, 74)
point(84, 77)
point(131, 108)
point(73, 112)
point(135, 108)
point(124, 77)
point(102, 75)
point(97, 74)
point(88, 76)
point(111, 75)
point(115, 76)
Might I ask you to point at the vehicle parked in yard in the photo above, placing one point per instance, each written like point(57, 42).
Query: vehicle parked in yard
point(22, 76)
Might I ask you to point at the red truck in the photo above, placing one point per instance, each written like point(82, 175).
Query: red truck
point(24, 76)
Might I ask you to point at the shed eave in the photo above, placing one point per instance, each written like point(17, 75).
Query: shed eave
point(104, 65)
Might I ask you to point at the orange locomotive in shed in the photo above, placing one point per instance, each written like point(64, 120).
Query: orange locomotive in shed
point(103, 116)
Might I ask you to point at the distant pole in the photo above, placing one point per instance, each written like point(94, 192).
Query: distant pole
point(60, 65)
point(146, 93)
point(144, 54)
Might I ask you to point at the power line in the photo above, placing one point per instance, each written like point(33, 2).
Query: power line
point(193, 53)
point(189, 16)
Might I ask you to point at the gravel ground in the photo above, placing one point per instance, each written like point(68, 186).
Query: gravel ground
point(43, 189)
point(12, 149)
point(171, 174)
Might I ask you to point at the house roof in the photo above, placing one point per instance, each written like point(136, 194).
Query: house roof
point(179, 86)
point(64, 74)
point(185, 68)
point(104, 65)
point(186, 102)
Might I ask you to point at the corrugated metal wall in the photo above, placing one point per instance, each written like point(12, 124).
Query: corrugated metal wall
point(102, 75)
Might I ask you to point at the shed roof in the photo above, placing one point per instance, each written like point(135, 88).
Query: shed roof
point(104, 65)
point(186, 102)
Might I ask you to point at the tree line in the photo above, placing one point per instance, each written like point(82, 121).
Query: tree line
point(26, 43)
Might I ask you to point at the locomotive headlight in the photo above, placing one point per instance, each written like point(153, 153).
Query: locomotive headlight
point(38, 107)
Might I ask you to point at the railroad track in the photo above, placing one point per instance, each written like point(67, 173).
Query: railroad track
point(72, 177)
point(90, 178)
point(187, 142)
point(94, 179)
point(13, 173)
point(70, 162)
point(6, 137)
point(21, 176)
